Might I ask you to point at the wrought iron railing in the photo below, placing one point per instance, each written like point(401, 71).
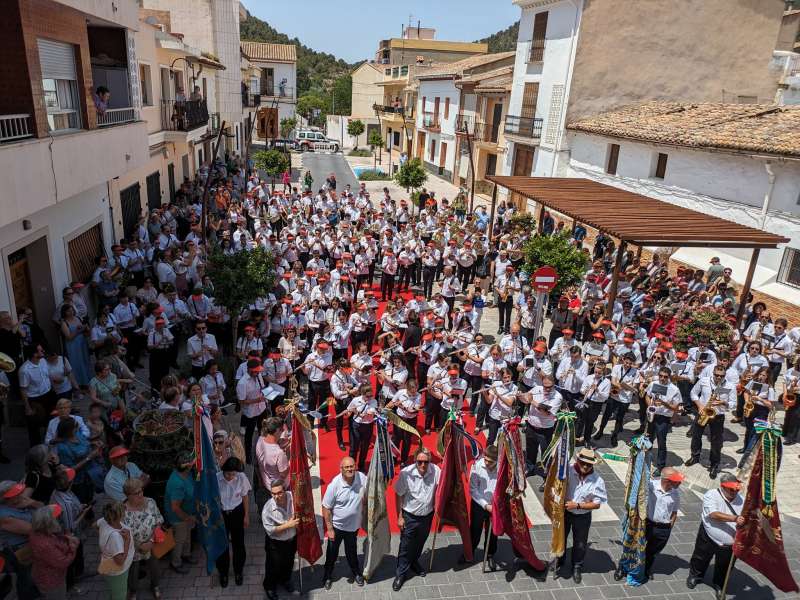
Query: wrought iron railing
point(15, 127)
point(183, 115)
point(523, 126)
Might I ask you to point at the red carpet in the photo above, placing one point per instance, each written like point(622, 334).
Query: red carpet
point(330, 455)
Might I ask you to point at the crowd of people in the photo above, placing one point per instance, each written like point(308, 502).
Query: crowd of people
point(377, 306)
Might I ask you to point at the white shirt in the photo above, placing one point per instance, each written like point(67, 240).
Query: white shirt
point(407, 405)
point(705, 387)
point(499, 410)
point(673, 397)
point(273, 515)
point(52, 426)
point(660, 504)
point(514, 349)
point(453, 389)
point(249, 388)
point(572, 381)
point(344, 501)
point(721, 532)
point(364, 409)
point(482, 482)
point(194, 345)
point(418, 491)
point(624, 375)
point(601, 385)
point(34, 379)
point(232, 493)
point(543, 419)
point(589, 489)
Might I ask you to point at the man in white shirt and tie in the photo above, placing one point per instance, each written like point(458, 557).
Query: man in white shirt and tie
point(415, 491)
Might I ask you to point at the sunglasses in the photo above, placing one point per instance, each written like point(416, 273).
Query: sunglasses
point(423, 462)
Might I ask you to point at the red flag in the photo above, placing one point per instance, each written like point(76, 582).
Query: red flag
point(451, 498)
point(759, 541)
point(309, 545)
point(508, 512)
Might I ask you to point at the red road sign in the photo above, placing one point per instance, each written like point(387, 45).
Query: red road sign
point(544, 279)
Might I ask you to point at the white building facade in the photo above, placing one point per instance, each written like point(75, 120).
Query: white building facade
point(437, 108)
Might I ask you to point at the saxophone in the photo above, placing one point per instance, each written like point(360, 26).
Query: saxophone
point(708, 413)
point(749, 404)
point(744, 379)
point(790, 396)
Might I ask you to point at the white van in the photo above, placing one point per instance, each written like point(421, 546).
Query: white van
point(307, 140)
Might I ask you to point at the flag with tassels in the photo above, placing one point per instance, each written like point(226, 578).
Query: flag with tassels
point(557, 456)
point(376, 519)
point(309, 544)
point(634, 520)
point(759, 541)
point(210, 523)
point(451, 501)
point(508, 512)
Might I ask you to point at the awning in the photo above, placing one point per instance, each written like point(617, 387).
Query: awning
point(634, 218)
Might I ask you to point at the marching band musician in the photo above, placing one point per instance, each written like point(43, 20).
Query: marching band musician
point(343, 387)
point(683, 375)
point(543, 403)
point(254, 406)
point(778, 348)
point(482, 482)
point(759, 397)
point(428, 353)
point(563, 345)
point(791, 422)
point(315, 367)
point(747, 364)
point(249, 341)
point(453, 390)
point(627, 346)
point(597, 349)
point(534, 366)
point(362, 410)
point(407, 403)
point(213, 383)
point(201, 348)
point(570, 375)
point(433, 395)
point(594, 390)
point(475, 353)
point(514, 348)
point(500, 396)
point(722, 508)
point(663, 400)
point(711, 393)
point(491, 370)
point(623, 378)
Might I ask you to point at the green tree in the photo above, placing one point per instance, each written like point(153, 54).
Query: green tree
point(306, 105)
point(342, 93)
point(555, 251)
point(412, 175)
point(287, 124)
point(355, 128)
point(272, 162)
point(240, 278)
point(375, 142)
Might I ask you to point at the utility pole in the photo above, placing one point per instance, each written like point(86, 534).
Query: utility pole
point(208, 181)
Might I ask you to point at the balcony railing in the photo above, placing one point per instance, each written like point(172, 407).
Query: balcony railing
point(116, 116)
point(479, 131)
point(183, 115)
point(523, 126)
point(251, 100)
point(213, 123)
point(276, 90)
point(389, 108)
point(15, 127)
point(465, 124)
point(431, 121)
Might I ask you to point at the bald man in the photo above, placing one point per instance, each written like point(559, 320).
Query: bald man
point(341, 511)
point(663, 503)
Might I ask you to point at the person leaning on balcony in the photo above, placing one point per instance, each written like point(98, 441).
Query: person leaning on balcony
point(101, 97)
point(196, 96)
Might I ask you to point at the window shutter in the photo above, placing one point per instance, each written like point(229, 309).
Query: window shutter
point(446, 108)
point(57, 60)
point(539, 32)
point(529, 98)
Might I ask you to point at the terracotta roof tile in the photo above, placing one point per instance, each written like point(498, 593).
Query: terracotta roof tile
point(459, 67)
point(269, 52)
point(758, 128)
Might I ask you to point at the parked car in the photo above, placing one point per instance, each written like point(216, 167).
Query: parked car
point(309, 140)
point(281, 144)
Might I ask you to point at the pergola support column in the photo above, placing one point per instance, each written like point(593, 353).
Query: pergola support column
point(748, 282)
point(612, 291)
point(540, 224)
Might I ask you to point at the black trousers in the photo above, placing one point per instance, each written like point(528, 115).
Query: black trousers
point(494, 426)
point(412, 541)
point(479, 517)
point(359, 444)
point(465, 275)
point(278, 562)
point(504, 310)
point(427, 281)
point(791, 424)
point(579, 525)
point(341, 404)
point(433, 410)
point(616, 410)
point(404, 277)
point(404, 439)
point(704, 550)
point(318, 392)
point(759, 412)
point(657, 536)
point(159, 362)
point(590, 415)
point(536, 440)
point(387, 286)
point(350, 551)
point(658, 429)
point(234, 525)
point(451, 303)
point(251, 425)
point(715, 428)
point(42, 406)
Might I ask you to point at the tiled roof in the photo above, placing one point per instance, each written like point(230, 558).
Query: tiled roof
point(459, 67)
point(758, 128)
point(496, 79)
point(269, 52)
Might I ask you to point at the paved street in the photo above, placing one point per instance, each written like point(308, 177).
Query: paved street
point(323, 164)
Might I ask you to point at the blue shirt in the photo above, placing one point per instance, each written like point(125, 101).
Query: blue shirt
point(182, 489)
point(116, 478)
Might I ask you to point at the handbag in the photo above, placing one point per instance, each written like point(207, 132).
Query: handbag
point(164, 545)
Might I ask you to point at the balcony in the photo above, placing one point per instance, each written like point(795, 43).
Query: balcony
point(213, 124)
point(430, 121)
point(388, 108)
point(523, 126)
point(116, 116)
point(251, 100)
point(276, 91)
point(183, 115)
point(15, 127)
point(478, 130)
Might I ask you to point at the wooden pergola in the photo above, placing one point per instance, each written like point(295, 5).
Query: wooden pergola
point(638, 220)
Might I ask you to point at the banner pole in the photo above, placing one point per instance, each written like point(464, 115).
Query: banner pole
point(727, 577)
point(433, 542)
point(486, 527)
point(300, 572)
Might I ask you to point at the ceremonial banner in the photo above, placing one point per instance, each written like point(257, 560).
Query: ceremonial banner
point(558, 456)
point(309, 545)
point(759, 541)
point(451, 497)
point(508, 512)
point(632, 561)
point(210, 524)
point(376, 521)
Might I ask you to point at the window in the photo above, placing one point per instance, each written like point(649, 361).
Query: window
point(404, 71)
point(60, 85)
point(387, 72)
point(613, 158)
point(432, 152)
point(446, 108)
point(82, 251)
point(790, 267)
point(146, 85)
point(530, 96)
point(661, 166)
point(539, 32)
point(422, 110)
point(395, 72)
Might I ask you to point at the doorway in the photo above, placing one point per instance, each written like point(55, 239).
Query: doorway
point(32, 285)
point(171, 181)
point(420, 144)
point(523, 166)
point(154, 190)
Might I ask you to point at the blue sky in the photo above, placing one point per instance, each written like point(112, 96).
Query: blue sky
point(350, 29)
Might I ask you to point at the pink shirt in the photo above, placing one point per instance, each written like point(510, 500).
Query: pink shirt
point(272, 461)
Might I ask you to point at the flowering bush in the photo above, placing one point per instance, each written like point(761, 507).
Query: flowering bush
point(703, 323)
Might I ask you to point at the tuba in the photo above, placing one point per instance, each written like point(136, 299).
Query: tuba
point(7, 363)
